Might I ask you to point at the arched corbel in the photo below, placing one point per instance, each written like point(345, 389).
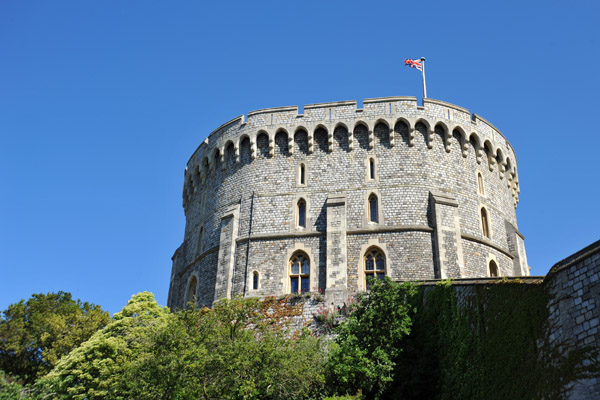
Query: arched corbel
point(479, 154)
point(464, 146)
point(371, 139)
point(252, 147)
point(447, 137)
point(222, 159)
point(290, 143)
point(271, 145)
point(197, 178)
point(411, 135)
point(350, 139)
point(310, 141)
point(430, 133)
point(193, 184)
point(202, 174)
point(329, 139)
point(236, 149)
point(391, 135)
point(211, 165)
point(491, 162)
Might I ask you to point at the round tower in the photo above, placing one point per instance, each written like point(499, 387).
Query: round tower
point(280, 202)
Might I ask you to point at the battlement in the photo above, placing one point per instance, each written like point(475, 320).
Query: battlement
point(398, 115)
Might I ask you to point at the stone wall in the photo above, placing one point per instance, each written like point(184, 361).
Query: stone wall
point(426, 161)
point(574, 285)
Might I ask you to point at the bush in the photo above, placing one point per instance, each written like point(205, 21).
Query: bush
point(366, 350)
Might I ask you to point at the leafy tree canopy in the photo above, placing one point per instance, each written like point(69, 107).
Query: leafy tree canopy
point(242, 349)
point(366, 350)
point(36, 333)
point(95, 370)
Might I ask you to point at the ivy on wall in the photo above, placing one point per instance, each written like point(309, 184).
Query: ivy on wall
point(485, 342)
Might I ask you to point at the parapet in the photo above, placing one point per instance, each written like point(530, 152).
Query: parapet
point(434, 117)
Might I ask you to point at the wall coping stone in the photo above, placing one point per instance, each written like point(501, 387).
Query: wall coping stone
point(330, 104)
point(481, 281)
point(582, 254)
point(443, 103)
point(388, 99)
point(273, 109)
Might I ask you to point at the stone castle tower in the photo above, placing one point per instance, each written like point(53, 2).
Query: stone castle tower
point(281, 202)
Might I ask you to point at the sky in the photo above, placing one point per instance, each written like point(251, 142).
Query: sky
point(103, 103)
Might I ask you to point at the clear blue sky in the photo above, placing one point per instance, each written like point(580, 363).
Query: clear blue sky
point(102, 104)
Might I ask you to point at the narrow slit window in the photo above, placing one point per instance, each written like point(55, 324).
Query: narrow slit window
point(255, 280)
point(200, 235)
point(301, 214)
point(480, 183)
point(302, 174)
point(371, 169)
point(484, 223)
point(373, 208)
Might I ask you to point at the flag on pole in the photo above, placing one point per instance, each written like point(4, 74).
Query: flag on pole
point(414, 64)
point(420, 65)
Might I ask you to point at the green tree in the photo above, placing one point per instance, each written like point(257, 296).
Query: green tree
point(241, 349)
point(36, 333)
point(366, 350)
point(95, 370)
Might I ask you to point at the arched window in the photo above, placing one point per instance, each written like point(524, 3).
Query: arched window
point(374, 262)
point(373, 208)
point(371, 169)
point(191, 292)
point(255, 280)
point(493, 269)
point(299, 273)
point(302, 175)
point(480, 184)
point(301, 213)
point(484, 223)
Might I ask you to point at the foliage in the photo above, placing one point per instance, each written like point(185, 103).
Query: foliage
point(358, 396)
point(239, 350)
point(10, 389)
point(398, 341)
point(365, 353)
point(485, 342)
point(36, 333)
point(95, 370)
point(328, 318)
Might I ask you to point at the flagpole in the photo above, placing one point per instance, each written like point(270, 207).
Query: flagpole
point(423, 70)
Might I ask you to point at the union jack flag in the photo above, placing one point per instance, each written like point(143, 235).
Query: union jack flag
point(414, 64)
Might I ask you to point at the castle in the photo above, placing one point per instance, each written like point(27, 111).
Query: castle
point(328, 199)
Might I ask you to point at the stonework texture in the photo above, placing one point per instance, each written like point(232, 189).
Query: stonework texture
point(421, 164)
point(574, 284)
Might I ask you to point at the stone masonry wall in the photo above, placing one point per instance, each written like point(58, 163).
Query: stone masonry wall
point(253, 165)
point(574, 284)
